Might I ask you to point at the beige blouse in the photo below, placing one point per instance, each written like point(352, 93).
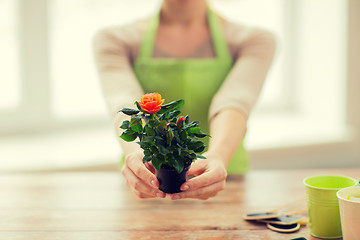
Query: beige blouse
point(116, 48)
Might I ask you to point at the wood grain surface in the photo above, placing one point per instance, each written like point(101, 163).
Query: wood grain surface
point(98, 205)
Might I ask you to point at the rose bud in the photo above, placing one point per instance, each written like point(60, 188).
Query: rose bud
point(180, 122)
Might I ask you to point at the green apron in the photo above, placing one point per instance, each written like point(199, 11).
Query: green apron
point(194, 80)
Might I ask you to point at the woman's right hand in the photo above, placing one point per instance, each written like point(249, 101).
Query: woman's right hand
point(140, 177)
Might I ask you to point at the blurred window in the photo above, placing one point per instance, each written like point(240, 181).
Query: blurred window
point(270, 15)
point(76, 91)
point(9, 73)
point(312, 51)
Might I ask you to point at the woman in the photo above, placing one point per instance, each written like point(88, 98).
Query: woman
point(187, 52)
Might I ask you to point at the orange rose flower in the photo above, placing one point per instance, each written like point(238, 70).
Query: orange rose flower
point(151, 102)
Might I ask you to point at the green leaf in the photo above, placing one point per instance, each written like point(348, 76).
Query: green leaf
point(134, 120)
point(138, 106)
point(183, 135)
point(195, 130)
point(201, 134)
point(153, 123)
point(192, 124)
point(154, 150)
point(149, 131)
point(128, 136)
point(147, 152)
point(195, 145)
point(176, 138)
point(178, 165)
point(192, 156)
point(125, 124)
point(181, 147)
point(187, 120)
point(184, 153)
point(163, 124)
point(200, 156)
point(144, 145)
point(148, 139)
point(137, 128)
point(136, 124)
point(200, 149)
point(147, 158)
point(164, 116)
point(175, 105)
point(156, 162)
point(158, 137)
point(170, 160)
point(129, 111)
point(174, 114)
point(163, 149)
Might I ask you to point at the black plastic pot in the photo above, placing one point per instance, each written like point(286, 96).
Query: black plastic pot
point(170, 180)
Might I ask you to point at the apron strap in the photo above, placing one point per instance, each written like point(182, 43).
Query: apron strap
point(217, 35)
point(218, 39)
point(148, 42)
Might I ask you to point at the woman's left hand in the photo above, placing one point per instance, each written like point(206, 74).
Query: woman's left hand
point(210, 179)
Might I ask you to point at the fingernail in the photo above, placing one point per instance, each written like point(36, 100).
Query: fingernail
point(175, 197)
point(160, 195)
point(185, 187)
point(154, 183)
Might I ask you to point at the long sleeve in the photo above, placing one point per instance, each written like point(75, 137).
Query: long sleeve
point(253, 50)
point(119, 84)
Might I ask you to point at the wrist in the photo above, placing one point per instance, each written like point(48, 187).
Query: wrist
point(215, 156)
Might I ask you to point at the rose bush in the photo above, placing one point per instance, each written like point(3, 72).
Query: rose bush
point(167, 141)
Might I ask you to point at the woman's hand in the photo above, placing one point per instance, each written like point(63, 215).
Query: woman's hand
point(140, 177)
point(210, 179)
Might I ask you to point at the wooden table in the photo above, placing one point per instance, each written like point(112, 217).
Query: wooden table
point(98, 205)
